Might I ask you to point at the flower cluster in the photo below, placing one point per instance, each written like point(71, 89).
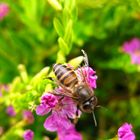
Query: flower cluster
point(63, 108)
point(132, 47)
point(4, 10)
point(125, 132)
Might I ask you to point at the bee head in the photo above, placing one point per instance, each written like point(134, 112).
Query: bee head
point(89, 105)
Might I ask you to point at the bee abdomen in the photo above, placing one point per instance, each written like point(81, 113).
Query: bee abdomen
point(65, 75)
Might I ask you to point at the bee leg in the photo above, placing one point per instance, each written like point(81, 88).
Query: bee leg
point(57, 93)
point(61, 98)
point(75, 120)
point(50, 78)
point(77, 111)
point(77, 116)
point(85, 58)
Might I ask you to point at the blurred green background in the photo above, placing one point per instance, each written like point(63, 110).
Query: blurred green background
point(29, 36)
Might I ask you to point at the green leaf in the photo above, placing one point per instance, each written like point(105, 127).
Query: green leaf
point(69, 4)
point(63, 46)
point(55, 4)
point(70, 7)
point(68, 33)
point(23, 73)
point(75, 62)
point(58, 27)
point(74, 13)
point(39, 77)
point(60, 57)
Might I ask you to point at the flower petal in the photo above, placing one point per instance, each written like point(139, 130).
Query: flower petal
point(10, 111)
point(50, 123)
point(89, 75)
point(135, 59)
point(42, 110)
point(69, 107)
point(4, 10)
point(69, 134)
point(56, 121)
point(28, 116)
point(125, 132)
point(28, 135)
point(49, 99)
point(132, 47)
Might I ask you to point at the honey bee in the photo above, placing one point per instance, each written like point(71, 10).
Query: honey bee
point(79, 91)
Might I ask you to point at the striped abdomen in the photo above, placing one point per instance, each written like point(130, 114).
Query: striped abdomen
point(65, 75)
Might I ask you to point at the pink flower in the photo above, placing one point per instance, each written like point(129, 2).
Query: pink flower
point(4, 10)
point(48, 101)
point(10, 111)
point(28, 116)
point(28, 135)
point(132, 47)
point(56, 121)
point(89, 74)
point(62, 109)
point(70, 134)
point(125, 132)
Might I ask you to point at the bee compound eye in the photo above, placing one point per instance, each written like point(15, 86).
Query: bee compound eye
point(94, 98)
point(86, 105)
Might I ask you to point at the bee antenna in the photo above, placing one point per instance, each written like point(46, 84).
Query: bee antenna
point(99, 106)
point(85, 58)
point(94, 118)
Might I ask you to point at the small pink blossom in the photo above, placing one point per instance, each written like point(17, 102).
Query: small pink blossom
point(70, 134)
point(48, 101)
point(132, 47)
point(125, 132)
point(4, 10)
point(28, 116)
point(89, 74)
point(10, 111)
point(62, 109)
point(28, 135)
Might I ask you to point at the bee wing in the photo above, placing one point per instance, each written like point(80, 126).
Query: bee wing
point(83, 75)
point(64, 92)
